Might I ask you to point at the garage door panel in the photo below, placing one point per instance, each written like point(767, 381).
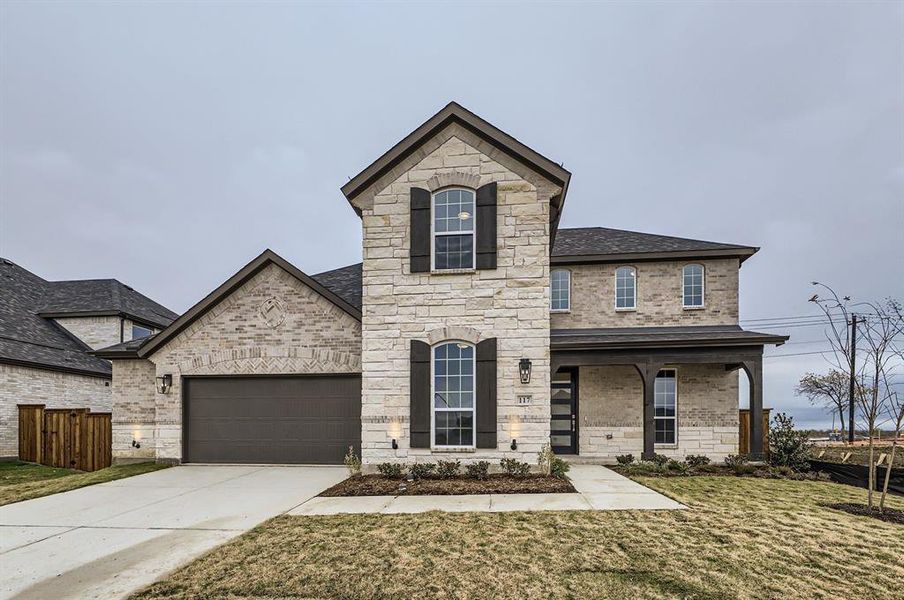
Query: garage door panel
point(304, 419)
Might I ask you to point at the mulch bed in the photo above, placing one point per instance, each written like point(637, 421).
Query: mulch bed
point(377, 485)
point(889, 515)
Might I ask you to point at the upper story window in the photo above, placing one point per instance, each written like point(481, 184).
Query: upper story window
point(693, 286)
point(665, 406)
point(453, 395)
point(560, 290)
point(453, 229)
point(625, 288)
point(139, 332)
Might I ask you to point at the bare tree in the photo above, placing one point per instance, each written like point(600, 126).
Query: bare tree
point(896, 399)
point(829, 390)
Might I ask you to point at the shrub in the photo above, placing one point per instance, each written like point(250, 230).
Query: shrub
point(696, 460)
point(625, 459)
point(558, 467)
point(478, 470)
point(788, 447)
point(676, 466)
point(352, 462)
point(659, 459)
point(448, 469)
point(391, 470)
point(733, 460)
point(421, 470)
point(514, 467)
point(545, 459)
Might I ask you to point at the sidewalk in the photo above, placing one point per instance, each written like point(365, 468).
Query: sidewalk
point(598, 488)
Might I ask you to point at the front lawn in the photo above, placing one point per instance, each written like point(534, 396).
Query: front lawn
point(24, 481)
point(742, 537)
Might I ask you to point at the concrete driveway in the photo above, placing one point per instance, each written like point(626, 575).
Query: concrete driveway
point(111, 539)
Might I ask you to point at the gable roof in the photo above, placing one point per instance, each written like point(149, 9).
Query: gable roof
point(601, 244)
point(266, 258)
point(455, 113)
point(103, 297)
point(31, 340)
point(345, 282)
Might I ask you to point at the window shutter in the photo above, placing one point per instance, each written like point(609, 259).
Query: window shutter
point(486, 226)
point(486, 394)
point(420, 230)
point(420, 394)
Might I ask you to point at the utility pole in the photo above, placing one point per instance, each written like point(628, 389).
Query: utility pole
point(853, 375)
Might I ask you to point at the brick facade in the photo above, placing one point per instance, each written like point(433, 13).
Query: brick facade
point(659, 296)
point(611, 404)
point(510, 303)
point(23, 385)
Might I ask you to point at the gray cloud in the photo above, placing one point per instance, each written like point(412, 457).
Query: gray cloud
point(166, 145)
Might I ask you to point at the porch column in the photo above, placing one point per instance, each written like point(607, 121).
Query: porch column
point(754, 370)
point(648, 373)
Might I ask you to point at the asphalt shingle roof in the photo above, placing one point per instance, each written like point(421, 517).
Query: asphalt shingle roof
point(345, 282)
point(29, 339)
point(584, 241)
point(628, 337)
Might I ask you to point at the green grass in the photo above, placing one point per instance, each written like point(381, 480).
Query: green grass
point(741, 538)
point(23, 481)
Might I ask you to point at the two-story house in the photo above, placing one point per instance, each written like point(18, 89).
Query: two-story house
point(47, 332)
point(475, 328)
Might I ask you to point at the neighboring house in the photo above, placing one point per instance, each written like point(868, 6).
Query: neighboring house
point(47, 332)
point(476, 328)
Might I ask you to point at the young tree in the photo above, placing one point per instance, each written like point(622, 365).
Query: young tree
point(830, 391)
point(896, 399)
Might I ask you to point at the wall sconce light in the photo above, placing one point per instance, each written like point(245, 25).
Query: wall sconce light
point(136, 444)
point(395, 444)
point(164, 383)
point(524, 370)
point(514, 445)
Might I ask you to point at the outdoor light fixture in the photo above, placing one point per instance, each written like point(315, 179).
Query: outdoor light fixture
point(164, 383)
point(524, 370)
point(514, 445)
point(395, 444)
point(136, 444)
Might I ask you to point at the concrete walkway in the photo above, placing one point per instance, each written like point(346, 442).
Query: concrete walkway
point(111, 539)
point(598, 488)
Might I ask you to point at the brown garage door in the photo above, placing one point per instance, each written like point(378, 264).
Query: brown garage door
point(304, 419)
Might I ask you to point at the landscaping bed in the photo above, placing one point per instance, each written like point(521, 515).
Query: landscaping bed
point(379, 485)
point(889, 515)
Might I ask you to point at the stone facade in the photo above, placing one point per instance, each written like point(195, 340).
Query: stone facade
point(659, 296)
point(97, 332)
point(611, 412)
point(314, 336)
point(510, 303)
point(23, 385)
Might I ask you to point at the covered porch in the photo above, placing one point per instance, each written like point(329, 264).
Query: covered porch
point(668, 390)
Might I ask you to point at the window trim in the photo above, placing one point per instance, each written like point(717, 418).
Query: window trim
point(434, 233)
point(568, 308)
point(673, 444)
point(702, 304)
point(633, 307)
point(433, 409)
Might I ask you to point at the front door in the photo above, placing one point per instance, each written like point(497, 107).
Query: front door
point(563, 422)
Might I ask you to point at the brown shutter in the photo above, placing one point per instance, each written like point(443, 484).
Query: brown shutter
point(486, 393)
point(486, 226)
point(420, 394)
point(420, 230)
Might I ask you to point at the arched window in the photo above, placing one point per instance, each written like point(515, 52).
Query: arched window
point(560, 290)
point(625, 288)
point(693, 286)
point(453, 229)
point(454, 406)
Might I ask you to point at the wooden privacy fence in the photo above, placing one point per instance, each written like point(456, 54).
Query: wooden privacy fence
point(73, 438)
point(744, 423)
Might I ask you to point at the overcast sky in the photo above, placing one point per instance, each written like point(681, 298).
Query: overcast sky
point(167, 144)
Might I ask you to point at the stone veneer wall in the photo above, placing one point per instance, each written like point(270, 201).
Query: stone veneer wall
point(23, 385)
point(233, 338)
point(659, 296)
point(510, 303)
point(134, 409)
point(611, 403)
point(97, 332)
